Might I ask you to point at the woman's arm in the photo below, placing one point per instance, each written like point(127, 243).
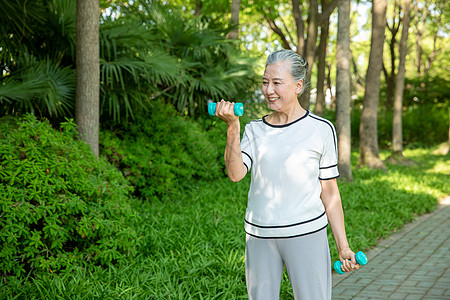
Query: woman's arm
point(331, 199)
point(234, 164)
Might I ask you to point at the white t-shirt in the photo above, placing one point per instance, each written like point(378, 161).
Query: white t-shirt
point(287, 163)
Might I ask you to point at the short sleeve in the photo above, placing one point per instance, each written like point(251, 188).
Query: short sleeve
point(328, 166)
point(246, 148)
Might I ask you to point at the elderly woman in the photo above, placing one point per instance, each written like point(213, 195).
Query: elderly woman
point(292, 156)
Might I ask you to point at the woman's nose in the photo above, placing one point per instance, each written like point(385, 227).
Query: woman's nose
point(270, 89)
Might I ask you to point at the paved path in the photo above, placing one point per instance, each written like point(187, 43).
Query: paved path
point(411, 264)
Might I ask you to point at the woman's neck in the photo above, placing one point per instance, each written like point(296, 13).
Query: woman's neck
point(286, 117)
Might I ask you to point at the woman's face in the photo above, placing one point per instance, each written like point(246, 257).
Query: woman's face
point(279, 87)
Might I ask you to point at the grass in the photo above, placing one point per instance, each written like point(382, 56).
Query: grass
point(194, 244)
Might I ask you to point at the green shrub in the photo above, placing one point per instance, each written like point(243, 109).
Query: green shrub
point(423, 125)
point(59, 204)
point(428, 90)
point(162, 152)
point(426, 125)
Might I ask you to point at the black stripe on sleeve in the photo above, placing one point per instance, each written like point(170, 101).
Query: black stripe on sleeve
point(246, 167)
point(251, 160)
point(321, 168)
point(329, 178)
point(331, 127)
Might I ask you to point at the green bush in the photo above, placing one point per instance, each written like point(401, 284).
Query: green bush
point(423, 125)
point(162, 152)
point(426, 125)
point(426, 90)
point(60, 205)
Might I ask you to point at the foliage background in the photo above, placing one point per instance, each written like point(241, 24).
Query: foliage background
point(146, 51)
point(169, 224)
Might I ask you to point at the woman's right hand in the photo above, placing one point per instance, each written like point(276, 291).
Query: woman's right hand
point(225, 111)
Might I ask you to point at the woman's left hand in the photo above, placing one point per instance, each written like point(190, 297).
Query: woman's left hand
point(347, 257)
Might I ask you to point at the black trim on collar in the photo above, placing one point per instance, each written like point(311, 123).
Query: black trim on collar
point(285, 125)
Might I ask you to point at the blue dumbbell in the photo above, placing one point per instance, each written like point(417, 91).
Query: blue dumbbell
point(361, 259)
point(238, 109)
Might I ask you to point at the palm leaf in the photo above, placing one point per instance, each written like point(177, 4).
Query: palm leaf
point(42, 84)
point(162, 67)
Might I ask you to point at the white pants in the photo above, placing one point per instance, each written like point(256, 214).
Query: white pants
point(307, 260)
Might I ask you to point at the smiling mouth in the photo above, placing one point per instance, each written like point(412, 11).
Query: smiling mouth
point(273, 99)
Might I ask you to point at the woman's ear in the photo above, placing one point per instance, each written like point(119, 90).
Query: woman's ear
point(299, 87)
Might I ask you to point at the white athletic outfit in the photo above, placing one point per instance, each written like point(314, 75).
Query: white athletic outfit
point(287, 163)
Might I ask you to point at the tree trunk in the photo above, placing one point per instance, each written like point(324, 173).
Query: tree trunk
point(390, 76)
point(322, 53)
point(235, 7)
point(358, 80)
point(198, 7)
point(397, 133)
point(87, 106)
point(310, 48)
point(390, 86)
point(420, 27)
point(343, 61)
point(329, 85)
point(297, 13)
point(368, 135)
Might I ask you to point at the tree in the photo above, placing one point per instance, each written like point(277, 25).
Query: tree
point(343, 83)
point(297, 13)
point(198, 7)
point(305, 48)
point(87, 101)
point(419, 30)
point(397, 136)
point(235, 7)
point(314, 21)
point(310, 47)
point(368, 134)
point(322, 53)
point(428, 17)
point(390, 75)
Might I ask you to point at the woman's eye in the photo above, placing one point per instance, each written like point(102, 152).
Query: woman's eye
point(265, 83)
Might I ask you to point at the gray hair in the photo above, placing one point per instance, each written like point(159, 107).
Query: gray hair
point(299, 66)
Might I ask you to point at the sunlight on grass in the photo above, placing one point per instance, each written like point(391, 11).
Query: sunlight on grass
point(423, 172)
point(441, 167)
